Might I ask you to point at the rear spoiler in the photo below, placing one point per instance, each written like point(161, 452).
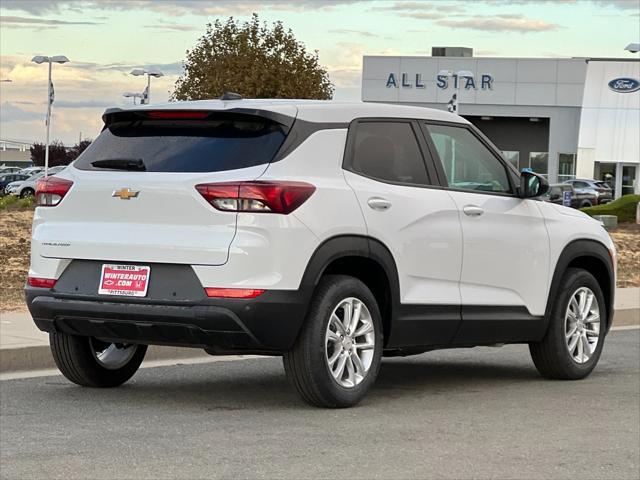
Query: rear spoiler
point(112, 114)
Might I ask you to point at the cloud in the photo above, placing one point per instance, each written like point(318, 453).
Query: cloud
point(418, 7)
point(361, 33)
point(13, 113)
point(6, 20)
point(172, 7)
point(501, 23)
point(174, 27)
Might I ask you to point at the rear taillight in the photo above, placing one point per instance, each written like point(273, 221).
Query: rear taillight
point(41, 282)
point(257, 197)
point(233, 292)
point(51, 190)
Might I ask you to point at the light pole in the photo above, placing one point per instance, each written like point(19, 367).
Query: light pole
point(132, 95)
point(50, 95)
point(149, 73)
point(453, 104)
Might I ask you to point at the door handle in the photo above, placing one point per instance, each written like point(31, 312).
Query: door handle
point(378, 203)
point(472, 210)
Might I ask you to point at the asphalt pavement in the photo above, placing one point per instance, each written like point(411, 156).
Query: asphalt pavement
point(468, 413)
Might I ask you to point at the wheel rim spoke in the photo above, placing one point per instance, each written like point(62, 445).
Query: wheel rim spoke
point(582, 325)
point(350, 342)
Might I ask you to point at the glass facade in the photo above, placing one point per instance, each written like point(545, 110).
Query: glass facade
point(566, 166)
point(513, 158)
point(539, 162)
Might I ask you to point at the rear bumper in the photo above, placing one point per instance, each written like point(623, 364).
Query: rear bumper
point(266, 324)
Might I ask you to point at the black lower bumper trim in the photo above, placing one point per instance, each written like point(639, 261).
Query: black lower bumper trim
point(269, 323)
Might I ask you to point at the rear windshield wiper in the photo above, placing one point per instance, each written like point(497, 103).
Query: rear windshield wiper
point(120, 164)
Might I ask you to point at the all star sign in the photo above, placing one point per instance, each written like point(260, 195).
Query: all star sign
point(485, 82)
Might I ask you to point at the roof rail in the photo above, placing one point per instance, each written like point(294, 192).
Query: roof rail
point(231, 96)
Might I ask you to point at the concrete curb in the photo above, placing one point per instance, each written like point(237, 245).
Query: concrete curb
point(38, 357)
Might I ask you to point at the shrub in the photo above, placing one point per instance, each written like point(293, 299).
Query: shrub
point(624, 208)
point(11, 202)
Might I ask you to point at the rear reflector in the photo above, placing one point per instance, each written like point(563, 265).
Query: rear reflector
point(51, 190)
point(233, 292)
point(41, 282)
point(257, 196)
point(178, 114)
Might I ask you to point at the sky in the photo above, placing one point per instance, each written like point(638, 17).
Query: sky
point(105, 39)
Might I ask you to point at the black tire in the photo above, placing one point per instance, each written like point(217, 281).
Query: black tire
point(306, 365)
point(76, 360)
point(586, 204)
point(27, 192)
point(551, 355)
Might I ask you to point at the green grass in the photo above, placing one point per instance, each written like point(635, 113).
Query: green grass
point(11, 202)
point(624, 208)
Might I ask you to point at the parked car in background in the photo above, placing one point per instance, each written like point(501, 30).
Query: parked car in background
point(28, 187)
point(5, 169)
point(600, 190)
point(32, 170)
point(6, 179)
point(565, 194)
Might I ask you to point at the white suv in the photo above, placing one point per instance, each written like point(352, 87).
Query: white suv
point(330, 234)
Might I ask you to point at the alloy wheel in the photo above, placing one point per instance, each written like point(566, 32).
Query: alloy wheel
point(350, 342)
point(582, 325)
point(112, 356)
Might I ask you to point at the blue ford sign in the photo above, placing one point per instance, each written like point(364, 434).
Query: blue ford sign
point(624, 85)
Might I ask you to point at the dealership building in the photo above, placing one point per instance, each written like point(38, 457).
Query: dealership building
point(563, 117)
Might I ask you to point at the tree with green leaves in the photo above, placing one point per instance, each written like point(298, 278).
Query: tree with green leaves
point(253, 60)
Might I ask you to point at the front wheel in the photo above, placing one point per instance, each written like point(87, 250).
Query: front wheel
point(337, 355)
point(90, 362)
point(572, 346)
point(27, 192)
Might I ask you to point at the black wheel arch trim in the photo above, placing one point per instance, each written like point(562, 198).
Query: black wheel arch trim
point(342, 246)
point(588, 249)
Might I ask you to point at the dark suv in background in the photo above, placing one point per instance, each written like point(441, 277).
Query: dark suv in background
point(600, 190)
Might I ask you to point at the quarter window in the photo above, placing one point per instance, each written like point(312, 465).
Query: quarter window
point(467, 163)
point(388, 151)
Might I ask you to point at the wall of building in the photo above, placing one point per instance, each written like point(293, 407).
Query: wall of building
point(544, 88)
point(610, 126)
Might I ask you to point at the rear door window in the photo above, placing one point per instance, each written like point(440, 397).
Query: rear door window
point(389, 152)
point(218, 143)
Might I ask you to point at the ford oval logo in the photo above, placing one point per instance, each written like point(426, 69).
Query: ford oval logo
point(624, 85)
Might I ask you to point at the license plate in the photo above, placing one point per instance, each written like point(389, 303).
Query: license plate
point(124, 280)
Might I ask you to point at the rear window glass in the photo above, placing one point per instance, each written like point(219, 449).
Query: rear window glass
point(225, 142)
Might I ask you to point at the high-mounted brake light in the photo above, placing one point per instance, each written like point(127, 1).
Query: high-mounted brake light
point(51, 190)
point(41, 282)
point(257, 196)
point(233, 292)
point(177, 114)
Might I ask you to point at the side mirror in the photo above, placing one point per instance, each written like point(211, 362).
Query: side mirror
point(532, 185)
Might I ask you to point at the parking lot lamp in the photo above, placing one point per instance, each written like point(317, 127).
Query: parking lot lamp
point(633, 47)
point(146, 98)
point(50, 96)
point(133, 95)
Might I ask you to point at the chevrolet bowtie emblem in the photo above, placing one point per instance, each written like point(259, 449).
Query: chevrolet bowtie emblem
point(125, 193)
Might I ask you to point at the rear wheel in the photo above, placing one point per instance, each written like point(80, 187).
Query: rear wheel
point(337, 355)
point(90, 362)
point(572, 346)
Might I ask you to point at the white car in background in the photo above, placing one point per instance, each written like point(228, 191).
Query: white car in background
point(27, 188)
point(31, 170)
